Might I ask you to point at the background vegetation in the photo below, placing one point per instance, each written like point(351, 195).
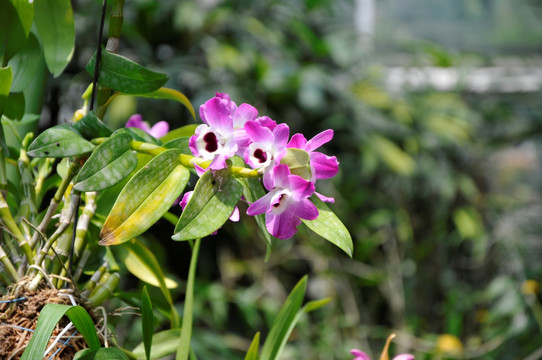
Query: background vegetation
point(438, 187)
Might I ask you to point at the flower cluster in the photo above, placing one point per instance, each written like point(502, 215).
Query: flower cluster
point(229, 130)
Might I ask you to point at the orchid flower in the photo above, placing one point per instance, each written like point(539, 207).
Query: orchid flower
point(267, 147)
point(322, 166)
point(360, 355)
point(158, 130)
point(286, 203)
point(215, 139)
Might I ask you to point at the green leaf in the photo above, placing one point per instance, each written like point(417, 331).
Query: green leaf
point(89, 126)
point(5, 84)
point(49, 316)
point(58, 142)
point(284, 323)
point(25, 64)
point(124, 75)
point(147, 321)
point(145, 198)
point(142, 263)
point(183, 349)
point(170, 94)
point(328, 226)
point(56, 30)
point(164, 343)
point(15, 22)
point(108, 164)
point(138, 135)
point(252, 353)
point(252, 191)
point(182, 132)
point(15, 106)
point(101, 354)
point(215, 196)
point(181, 143)
point(299, 163)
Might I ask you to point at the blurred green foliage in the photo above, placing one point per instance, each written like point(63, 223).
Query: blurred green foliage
point(438, 189)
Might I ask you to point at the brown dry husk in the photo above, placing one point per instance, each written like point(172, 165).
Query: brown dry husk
point(17, 316)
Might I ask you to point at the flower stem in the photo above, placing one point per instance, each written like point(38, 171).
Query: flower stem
point(55, 201)
point(7, 220)
point(8, 265)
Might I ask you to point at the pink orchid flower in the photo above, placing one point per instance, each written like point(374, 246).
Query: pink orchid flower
point(214, 140)
point(158, 130)
point(360, 355)
point(322, 166)
point(286, 203)
point(267, 146)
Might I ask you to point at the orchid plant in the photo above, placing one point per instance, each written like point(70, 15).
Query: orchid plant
point(237, 155)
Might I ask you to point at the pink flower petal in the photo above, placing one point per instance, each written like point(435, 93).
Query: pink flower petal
point(281, 134)
point(244, 113)
point(324, 198)
point(404, 357)
point(216, 114)
point(297, 141)
point(235, 216)
point(282, 226)
point(301, 187)
point(159, 129)
point(258, 133)
point(306, 210)
point(324, 166)
point(360, 355)
point(136, 121)
point(319, 140)
point(261, 205)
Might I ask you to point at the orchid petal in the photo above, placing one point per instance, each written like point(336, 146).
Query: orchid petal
point(258, 133)
point(301, 187)
point(297, 141)
point(281, 134)
point(319, 140)
point(215, 113)
point(159, 129)
point(324, 166)
point(306, 210)
point(266, 121)
point(244, 113)
point(235, 216)
point(324, 198)
point(136, 121)
point(284, 225)
point(186, 198)
point(360, 355)
point(404, 357)
point(261, 205)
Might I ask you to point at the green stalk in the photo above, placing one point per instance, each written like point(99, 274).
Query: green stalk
point(104, 289)
point(3, 173)
point(94, 279)
point(61, 254)
point(65, 221)
point(81, 264)
point(55, 201)
point(81, 230)
point(44, 169)
point(8, 265)
point(9, 223)
point(115, 25)
point(183, 350)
